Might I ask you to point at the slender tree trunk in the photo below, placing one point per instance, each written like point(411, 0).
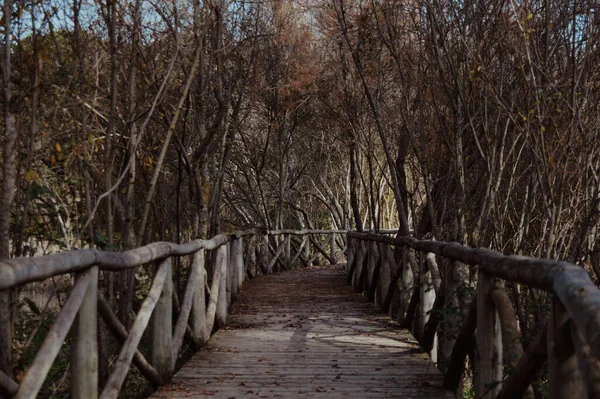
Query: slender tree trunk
point(128, 239)
point(9, 173)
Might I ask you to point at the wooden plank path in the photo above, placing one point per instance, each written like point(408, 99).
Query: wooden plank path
point(304, 334)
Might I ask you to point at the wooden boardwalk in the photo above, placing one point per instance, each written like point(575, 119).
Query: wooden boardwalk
point(304, 334)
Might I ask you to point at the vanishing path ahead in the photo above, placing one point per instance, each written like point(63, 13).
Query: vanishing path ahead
point(304, 334)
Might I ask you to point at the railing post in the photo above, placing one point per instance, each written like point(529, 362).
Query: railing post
point(307, 250)
point(161, 332)
point(488, 367)
point(374, 266)
point(288, 251)
point(230, 275)
point(383, 279)
point(250, 258)
point(264, 254)
point(407, 283)
point(563, 371)
point(222, 306)
point(332, 248)
point(199, 302)
point(84, 342)
point(360, 265)
point(237, 266)
point(350, 265)
point(427, 299)
point(233, 268)
point(454, 279)
point(240, 263)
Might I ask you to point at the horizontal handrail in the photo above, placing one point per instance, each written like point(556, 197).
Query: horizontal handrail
point(23, 270)
point(316, 231)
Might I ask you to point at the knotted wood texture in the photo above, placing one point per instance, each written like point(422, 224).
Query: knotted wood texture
point(305, 334)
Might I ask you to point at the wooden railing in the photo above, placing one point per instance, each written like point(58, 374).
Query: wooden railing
point(198, 313)
point(381, 267)
point(79, 314)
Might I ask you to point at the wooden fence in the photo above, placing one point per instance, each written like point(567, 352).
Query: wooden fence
point(199, 312)
point(381, 266)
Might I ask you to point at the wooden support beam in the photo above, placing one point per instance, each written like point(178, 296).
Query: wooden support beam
point(488, 373)
point(8, 386)
point(351, 261)
point(222, 305)
point(360, 265)
point(288, 252)
point(161, 332)
point(199, 276)
point(332, 249)
point(250, 258)
point(464, 344)
point(230, 277)
point(563, 371)
point(589, 364)
point(239, 263)
point(264, 255)
point(35, 376)
point(237, 266)
point(427, 298)
point(123, 362)
point(275, 257)
point(215, 296)
point(120, 333)
point(300, 249)
point(409, 293)
point(530, 365)
point(84, 342)
point(374, 265)
point(321, 250)
point(395, 277)
point(383, 279)
point(196, 274)
point(512, 349)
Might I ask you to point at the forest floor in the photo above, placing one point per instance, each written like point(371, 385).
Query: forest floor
point(304, 334)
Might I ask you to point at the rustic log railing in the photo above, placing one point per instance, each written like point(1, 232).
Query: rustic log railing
point(198, 313)
point(379, 265)
point(79, 313)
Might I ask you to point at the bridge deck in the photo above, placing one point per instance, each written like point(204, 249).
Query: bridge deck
point(305, 334)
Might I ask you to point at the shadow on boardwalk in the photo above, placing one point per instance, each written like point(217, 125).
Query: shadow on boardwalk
point(304, 334)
